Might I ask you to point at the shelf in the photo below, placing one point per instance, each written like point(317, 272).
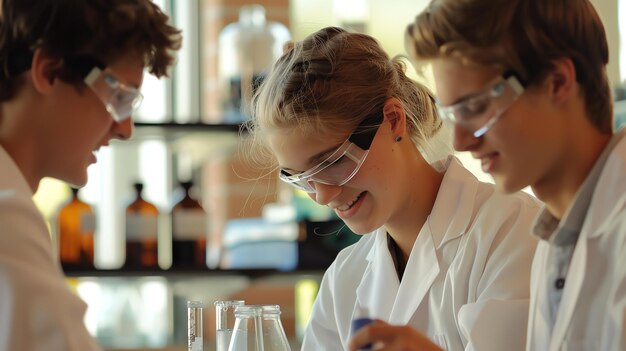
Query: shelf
point(175, 131)
point(182, 273)
point(188, 127)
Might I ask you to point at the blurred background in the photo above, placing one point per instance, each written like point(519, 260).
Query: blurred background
point(178, 213)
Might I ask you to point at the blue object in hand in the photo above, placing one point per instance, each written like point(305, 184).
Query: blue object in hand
point(358, 324)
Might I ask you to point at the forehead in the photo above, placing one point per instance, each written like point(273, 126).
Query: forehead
point(129, 69)
point(293, 147)
point(453, 80)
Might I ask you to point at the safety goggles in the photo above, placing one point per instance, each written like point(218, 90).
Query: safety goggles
point(338, 168)
point(120, 100)
point(479, 113)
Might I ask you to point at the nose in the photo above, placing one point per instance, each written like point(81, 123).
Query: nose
point(464, 140)
point(123, 130)
point(324, 193)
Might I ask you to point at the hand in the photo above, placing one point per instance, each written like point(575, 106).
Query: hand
point(391, 337)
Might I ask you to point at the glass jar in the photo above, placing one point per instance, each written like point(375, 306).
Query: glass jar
point(247, 49)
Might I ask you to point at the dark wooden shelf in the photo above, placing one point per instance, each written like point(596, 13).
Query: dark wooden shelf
point(176, 273)
point(189, 127)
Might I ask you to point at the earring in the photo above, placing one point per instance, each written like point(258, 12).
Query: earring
point(398, 138)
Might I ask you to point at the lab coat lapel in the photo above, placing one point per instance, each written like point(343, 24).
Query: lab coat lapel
point(449, 219)
point(380, 290)
point(377, 291)
point(423, 268)
point(432, 251)
point(573, 284)
point(538, 326)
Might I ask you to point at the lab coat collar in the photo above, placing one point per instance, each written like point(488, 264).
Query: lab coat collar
point(610, 189)
point(605, 204)
point(452, 212)
point(380, 290)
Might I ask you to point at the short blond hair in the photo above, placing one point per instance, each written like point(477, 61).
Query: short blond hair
point(523, 35)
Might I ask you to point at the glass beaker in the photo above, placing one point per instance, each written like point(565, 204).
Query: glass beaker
point(225, 322)
point(248, 334)
point(274, 338)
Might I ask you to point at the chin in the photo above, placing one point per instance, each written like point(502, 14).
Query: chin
point(77, 180)
point(507, 186)
point(360, 229)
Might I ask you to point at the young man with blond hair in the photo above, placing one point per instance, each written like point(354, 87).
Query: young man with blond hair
point(525, 84)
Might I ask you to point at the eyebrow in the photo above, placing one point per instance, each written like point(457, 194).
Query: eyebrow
point(320, 156)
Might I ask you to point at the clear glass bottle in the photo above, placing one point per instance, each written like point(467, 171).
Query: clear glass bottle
point(247, 335)
point(189, 231)
point(258, 328)
point(76, 228)
point(274, 337)
point(247, 49)
point(141, 233)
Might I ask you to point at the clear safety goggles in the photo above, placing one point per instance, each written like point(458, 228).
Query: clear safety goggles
point(480, 112)
point(341, 165)
point(119, 99)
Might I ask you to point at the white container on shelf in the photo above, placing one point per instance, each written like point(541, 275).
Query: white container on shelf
point(247, 49)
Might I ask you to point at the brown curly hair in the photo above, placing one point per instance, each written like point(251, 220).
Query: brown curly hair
point(104, 29)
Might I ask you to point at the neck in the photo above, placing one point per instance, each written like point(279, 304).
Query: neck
point(416, 206)
point(17, 138)
point(560, 184)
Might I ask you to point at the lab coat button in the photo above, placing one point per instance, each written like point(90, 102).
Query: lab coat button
point(559, 283)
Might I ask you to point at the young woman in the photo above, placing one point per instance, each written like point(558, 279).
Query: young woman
point(440, 252)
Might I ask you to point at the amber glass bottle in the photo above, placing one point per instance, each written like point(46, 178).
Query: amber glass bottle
point(76, 229)
point(141, 233)
point(189, 232)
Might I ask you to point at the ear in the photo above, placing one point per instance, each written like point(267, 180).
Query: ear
point(562, 80)
point(395, 114)
point(42, 70)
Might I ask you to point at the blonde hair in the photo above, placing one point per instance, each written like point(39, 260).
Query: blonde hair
point(330, 82)
point(523, 35)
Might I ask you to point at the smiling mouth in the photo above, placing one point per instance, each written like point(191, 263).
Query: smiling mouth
point(349, 204)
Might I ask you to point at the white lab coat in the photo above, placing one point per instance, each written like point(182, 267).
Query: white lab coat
point(466, 284)
point(592, 313)
point(37, 309)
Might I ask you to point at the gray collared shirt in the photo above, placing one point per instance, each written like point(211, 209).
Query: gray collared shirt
point(562, 235)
